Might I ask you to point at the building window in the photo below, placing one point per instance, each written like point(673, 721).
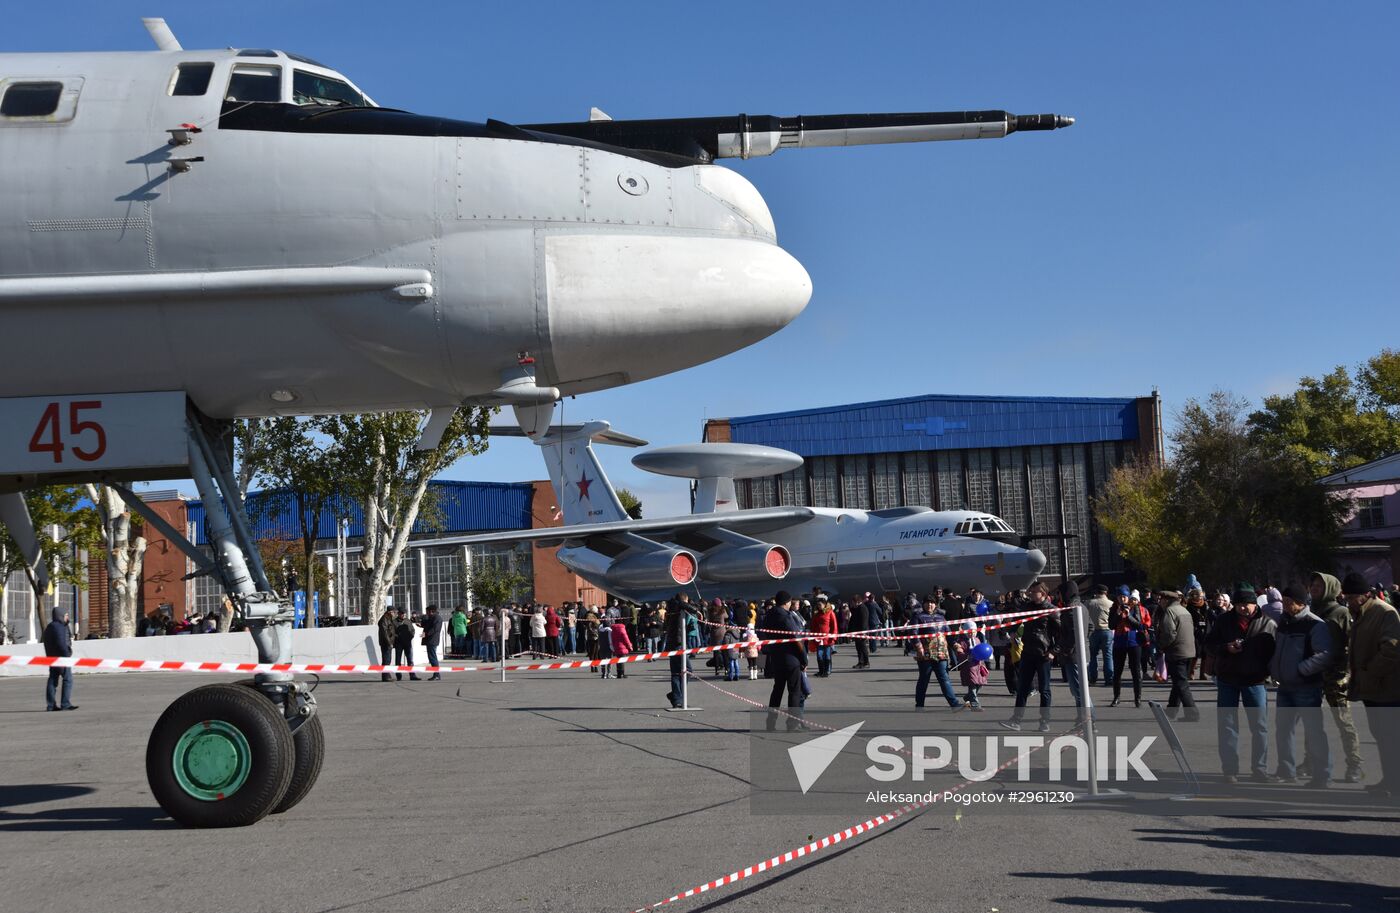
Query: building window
point(792, 487)
point(885, 479)
point(1011, 487)
point(981, 487)
point(444, 569)
point(824, 492)
point(763, 492)
point(916, 481)
point(1045, 504)
point(855, 483)
point(950, 480)
point(1074, 492)
point(1370, 513)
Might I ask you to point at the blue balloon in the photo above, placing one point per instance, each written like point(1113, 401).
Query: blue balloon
point(983, 608)
point(982, 652)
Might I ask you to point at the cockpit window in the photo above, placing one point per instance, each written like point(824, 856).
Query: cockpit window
point(192, 79)
point(249, 83)
point(313, 89)
point(256, 52)
point(976, 526)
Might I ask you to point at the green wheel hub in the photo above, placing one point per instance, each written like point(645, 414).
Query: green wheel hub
point(212, 760)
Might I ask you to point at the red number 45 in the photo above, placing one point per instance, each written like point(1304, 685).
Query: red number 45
point(48, 438)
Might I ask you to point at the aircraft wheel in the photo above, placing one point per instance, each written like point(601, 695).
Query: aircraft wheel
point(310, 742)
point(220, 756)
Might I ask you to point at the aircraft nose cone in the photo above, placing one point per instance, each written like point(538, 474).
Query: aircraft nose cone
point(1035, 561)
point(634, 307)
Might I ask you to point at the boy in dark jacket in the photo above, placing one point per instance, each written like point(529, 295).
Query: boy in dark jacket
point(1242, 644)
point(58, 641)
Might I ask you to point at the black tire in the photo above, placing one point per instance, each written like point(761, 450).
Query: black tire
point(269, 764)
point(310, 742)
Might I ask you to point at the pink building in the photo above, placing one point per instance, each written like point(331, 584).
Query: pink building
point(1371, 536)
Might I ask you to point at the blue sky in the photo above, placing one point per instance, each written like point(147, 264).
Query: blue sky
point(1223, 214)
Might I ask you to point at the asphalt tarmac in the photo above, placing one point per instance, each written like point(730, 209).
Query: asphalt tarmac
point(561, 791)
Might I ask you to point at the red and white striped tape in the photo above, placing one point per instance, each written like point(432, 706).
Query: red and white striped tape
point(815, 846)
point(155, 665)
point(882, 633)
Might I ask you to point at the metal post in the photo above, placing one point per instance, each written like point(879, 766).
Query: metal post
point(1081, 640)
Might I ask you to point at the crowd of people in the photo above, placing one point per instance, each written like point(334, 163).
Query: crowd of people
point(1327, 643)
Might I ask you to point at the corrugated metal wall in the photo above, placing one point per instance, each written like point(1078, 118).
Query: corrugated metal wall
point(941, 423)
point(454, 507)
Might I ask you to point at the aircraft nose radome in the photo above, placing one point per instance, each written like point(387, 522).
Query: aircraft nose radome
point(646, 305)
point(1035, 561)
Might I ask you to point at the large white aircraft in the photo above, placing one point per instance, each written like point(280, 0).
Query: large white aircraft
point(721, 551)
point(229, 233)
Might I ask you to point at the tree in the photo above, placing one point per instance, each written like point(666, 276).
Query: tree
point(1134, 506)
point(1236, 505)
point(630, 503)
point(125, 555)
point(386, 472)
point(305, 472)
point(66, 527)
point(1335, 422)
point(493, 584)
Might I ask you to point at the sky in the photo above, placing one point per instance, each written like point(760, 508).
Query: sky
point(1222, 215)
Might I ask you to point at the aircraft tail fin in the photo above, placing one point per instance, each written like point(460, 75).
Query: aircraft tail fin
point(582, 487)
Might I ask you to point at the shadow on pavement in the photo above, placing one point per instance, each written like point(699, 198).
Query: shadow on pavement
point(1123, 890)
point(86, 819)
point(34, 793)
point(1283, 840)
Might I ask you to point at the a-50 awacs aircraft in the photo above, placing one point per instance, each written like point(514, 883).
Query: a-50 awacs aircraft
point(721, 551)
point(229, 233)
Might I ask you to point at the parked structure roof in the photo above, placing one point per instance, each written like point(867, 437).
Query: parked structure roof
point(940, 422)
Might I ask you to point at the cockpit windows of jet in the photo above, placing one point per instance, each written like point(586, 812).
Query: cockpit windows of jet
point(191, 79)
point(254, 83)
point(981, 525)
point(314, 89)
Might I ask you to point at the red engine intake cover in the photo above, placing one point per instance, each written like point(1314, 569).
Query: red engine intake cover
point(777, 562)
point(682, 568)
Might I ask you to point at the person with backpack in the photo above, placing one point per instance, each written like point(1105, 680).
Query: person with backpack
point(605, 645)
point(1302, 653)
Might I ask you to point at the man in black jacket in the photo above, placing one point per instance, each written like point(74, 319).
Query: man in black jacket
point(1242, 643)
point(860, 624)
point(432, 637)
point(1039, 637)
point(386, 640)
point(785, 662)
point(403, 645)
point(58, 641)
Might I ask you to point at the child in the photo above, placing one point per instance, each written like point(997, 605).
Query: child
point(974, 673)
point(605, 645)
point(731, 654)
point(621, 645)
point(751, 651)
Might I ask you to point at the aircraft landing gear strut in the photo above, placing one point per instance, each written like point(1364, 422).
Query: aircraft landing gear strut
point(227, 755)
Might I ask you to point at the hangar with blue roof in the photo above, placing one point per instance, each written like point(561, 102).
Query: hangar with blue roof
point(1035, 461)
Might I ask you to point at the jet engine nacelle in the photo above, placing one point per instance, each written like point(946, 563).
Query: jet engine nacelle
point(663, 568)
point(745, 563)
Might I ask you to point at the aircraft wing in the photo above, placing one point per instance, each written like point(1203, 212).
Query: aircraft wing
point(748, 521)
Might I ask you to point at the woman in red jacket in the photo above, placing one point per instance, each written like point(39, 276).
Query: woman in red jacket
point(621, 646)
point(823, 622)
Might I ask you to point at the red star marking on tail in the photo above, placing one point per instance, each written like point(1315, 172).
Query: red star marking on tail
point(583, 482)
